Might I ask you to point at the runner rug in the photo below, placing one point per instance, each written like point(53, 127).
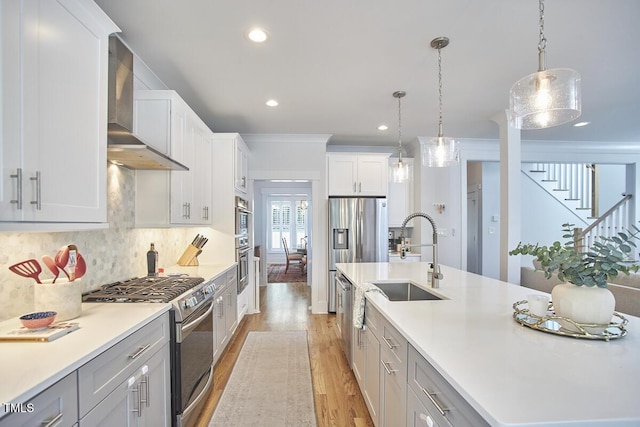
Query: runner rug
point(270, 384)
point(276, 274)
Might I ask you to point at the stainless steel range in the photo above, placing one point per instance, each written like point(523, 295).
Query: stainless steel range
point(192, 301)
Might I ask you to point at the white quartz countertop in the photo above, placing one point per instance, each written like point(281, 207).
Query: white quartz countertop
point(28, 368)
point(511, 374)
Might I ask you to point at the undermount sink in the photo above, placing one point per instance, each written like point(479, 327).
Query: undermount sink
point(405, 291)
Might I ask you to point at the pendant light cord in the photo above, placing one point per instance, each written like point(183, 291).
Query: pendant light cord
point(399, 130)
point(440, 92)
point(542, 43)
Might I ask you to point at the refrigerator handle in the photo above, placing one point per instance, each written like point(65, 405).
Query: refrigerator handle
point(358, 237)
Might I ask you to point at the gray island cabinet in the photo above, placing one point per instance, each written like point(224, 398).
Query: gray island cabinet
point(464, 361)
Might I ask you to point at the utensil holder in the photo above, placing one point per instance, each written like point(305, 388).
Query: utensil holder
point(190, 256)
point(63, 297)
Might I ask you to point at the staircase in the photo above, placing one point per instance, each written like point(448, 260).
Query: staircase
point(575, 185)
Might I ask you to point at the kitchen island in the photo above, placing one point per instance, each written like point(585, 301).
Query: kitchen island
point(510, 374)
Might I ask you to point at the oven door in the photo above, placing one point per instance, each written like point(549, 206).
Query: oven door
point(194, 354)
point(243, 268)
point(242, 222)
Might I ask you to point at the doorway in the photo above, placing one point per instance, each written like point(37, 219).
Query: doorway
point(474, 237)
point(283, 209)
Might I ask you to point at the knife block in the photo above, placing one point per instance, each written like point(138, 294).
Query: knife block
point(190, 256)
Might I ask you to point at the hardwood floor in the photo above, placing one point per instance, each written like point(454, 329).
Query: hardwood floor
point(284, 306)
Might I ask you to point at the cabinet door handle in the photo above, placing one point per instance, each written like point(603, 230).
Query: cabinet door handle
point(136, 392)
point(244, 182)
point(430, 397)
point(387, 367)
point(188, 210)
point(52, 422)
point(139, 351)
point(38, 200)
point(388, 342)
point(18, 199)
point(145, 380)
point(359, 187)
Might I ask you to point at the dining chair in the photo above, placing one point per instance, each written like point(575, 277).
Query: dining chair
point(291, 257)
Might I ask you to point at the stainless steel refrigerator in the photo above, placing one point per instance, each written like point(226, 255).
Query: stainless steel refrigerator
point(357, 233)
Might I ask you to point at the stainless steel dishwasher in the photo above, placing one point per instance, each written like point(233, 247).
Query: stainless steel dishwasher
point(344, 313)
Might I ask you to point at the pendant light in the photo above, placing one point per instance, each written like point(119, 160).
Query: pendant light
point(399, 171)
point(440, 151)
point(546, 98)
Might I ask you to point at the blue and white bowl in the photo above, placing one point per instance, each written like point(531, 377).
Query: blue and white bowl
point(38, 320)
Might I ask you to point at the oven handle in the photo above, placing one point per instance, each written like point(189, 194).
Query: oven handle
point(191, 325)
point(186, 412)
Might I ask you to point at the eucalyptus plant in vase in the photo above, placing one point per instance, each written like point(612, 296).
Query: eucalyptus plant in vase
point(584, 297)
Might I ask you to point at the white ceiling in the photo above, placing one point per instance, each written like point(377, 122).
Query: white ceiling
point(334, 64)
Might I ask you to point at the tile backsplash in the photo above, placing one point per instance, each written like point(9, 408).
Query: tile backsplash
point(112, 254)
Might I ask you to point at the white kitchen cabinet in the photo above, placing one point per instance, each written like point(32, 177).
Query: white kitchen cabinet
point(417, 413)
point(393, 375)
point(129, 384)
point(380, 366)
point(57, 405)
point(241, 165)
point(54, 111)
point(357, 174)
point(139, 401)
point(163, 198)
point(443, 403)
point(366, 362)
point(400, 199)
point(225, 315)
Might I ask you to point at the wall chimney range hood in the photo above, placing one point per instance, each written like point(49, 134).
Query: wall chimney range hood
point(123, 147)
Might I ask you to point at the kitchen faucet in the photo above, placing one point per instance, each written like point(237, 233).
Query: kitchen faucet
point(437, 275)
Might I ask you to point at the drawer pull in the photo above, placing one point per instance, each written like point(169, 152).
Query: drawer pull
point(438, 407)
point(387, 368)
point(389, 343)
point(139, 352)
point(55, 420)
point(427, 419)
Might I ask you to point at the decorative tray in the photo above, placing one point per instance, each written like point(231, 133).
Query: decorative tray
point(564, 326)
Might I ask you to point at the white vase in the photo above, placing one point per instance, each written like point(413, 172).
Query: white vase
point(583, 304)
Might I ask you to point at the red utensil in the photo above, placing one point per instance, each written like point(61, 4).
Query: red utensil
point(62, 258)
point(29, 268)
point(51, 265)
point(81, 266)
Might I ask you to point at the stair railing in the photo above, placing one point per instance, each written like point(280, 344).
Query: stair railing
point(615, 220)
point(579, 180)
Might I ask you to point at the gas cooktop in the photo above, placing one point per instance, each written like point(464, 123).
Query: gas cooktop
point(143, 289)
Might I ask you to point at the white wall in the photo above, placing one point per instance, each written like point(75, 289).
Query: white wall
point(300, 157)
point(540, 224)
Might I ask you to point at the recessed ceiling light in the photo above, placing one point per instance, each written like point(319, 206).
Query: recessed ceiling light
point(272, 103)
point(257, 35)
point(383, 127)
point(580, 124)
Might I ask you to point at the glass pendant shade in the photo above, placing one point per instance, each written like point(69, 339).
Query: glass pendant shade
point(440, 152)
point(545, 99)
point(399, 172)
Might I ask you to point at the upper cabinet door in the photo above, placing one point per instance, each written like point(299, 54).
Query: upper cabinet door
point(359, 175)
point(241, 168)
point(61, 110)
